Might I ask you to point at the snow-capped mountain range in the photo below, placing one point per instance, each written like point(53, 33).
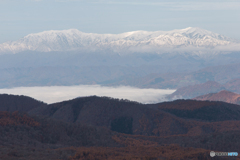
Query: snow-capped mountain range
point(195, 40)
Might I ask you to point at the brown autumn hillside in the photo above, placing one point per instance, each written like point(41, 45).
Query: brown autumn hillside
point(224, 96)
point(202, 110)
point(169, 118)
point(106, 128)
point(49, 139)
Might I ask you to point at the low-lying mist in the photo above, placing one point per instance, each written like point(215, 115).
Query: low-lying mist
point(52, 94)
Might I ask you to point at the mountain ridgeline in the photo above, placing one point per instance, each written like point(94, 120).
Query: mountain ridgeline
point(225, 96)
point(160, 59)
point(135, 118)
point(102, 128)
point(188, 39)
point(194, 61)
point(210, 90)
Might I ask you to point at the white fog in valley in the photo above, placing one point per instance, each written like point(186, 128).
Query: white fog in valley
point(52, 94)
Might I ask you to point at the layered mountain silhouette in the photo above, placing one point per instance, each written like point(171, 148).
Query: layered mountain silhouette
point(161, 59)
point(210, 88)
point(136, 118)
point(233, 85)
point(224, 96)
point(196, 90)
point(104, 128)
point(227, 77)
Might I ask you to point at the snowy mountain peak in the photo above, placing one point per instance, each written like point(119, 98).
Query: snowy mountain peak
point(188, 39)
point(195, 30)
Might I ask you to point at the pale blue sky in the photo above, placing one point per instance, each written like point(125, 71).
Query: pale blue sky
point(21, 17)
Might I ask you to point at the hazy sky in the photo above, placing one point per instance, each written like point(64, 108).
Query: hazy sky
point(21, 17)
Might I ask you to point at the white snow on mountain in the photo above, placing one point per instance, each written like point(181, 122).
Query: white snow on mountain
point(191, 39)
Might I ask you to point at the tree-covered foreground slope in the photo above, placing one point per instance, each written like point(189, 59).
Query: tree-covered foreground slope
point(106, 128)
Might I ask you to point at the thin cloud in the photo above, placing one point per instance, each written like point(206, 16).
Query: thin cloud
point(60, 93)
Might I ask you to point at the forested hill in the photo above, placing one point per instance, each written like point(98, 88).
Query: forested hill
point(102, 123)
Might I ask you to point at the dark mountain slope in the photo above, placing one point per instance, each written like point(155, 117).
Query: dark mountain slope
point(99, 111)
point(202, 110)
point(117, 115)
point(13, 103)
point(37, 132)
point(154, 131)
point(23, 137)
point(170, 118)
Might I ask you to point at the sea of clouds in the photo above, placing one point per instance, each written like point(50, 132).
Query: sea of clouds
point(52, 94)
